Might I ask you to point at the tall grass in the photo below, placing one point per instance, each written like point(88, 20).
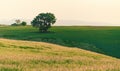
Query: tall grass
point(16, 55)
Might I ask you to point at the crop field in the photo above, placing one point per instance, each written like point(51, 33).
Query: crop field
point(17, 55)
point(105, 40)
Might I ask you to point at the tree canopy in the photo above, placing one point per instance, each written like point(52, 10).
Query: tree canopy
point(43, 21)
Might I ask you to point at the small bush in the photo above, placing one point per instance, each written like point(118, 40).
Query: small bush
point(23, 23)
point(15, 24)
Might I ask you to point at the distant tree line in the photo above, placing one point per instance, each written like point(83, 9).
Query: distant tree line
point(19, 23)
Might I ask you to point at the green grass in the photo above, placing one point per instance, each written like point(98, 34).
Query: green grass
point(104, 40)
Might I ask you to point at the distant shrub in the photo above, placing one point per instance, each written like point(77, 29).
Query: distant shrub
point(19, 24)
point(14, 24)
point(23, 23)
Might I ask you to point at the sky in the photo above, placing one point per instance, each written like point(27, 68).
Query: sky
point(92, 12)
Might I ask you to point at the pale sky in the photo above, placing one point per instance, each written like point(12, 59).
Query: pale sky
point(104, 11)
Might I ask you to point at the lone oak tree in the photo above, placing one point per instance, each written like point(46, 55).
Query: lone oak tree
point(43, 21)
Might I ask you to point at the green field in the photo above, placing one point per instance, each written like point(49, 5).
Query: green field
point(104, 40)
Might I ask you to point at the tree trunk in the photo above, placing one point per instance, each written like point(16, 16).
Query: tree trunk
point(43, 30)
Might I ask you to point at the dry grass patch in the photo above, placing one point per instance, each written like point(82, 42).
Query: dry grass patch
point(16, 55)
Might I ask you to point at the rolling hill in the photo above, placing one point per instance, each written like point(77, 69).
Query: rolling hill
point(17, 55)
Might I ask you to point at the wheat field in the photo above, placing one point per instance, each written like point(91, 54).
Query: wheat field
point(17, 55)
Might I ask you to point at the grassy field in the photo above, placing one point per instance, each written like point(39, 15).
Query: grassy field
point(104, 40)
point(16, 55)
